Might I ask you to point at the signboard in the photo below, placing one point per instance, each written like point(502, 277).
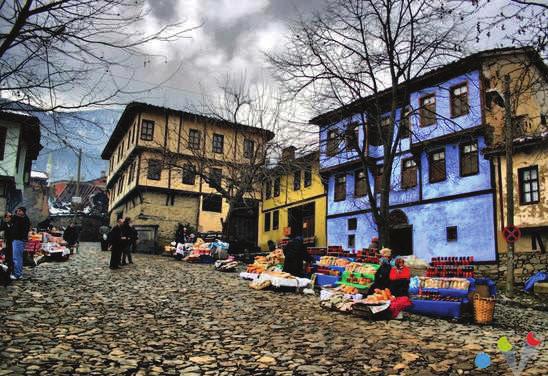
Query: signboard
point(511, 234)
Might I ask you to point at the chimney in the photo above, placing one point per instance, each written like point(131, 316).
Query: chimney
point(288, 153)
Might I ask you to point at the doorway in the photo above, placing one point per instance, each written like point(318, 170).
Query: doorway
point(301, 220)
point(401, 234)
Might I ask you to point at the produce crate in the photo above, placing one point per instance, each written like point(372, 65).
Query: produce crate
point(344, 280)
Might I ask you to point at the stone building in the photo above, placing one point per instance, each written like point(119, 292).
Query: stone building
point(158, 158)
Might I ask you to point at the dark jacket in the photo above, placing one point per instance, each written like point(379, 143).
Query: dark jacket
point(133, 235)
point(382, 278)
point(115, 237)
point(71, 235)
point(295, 254)
point(7, 227)
point(21, 228)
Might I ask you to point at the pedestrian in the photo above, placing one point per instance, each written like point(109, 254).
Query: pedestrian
point(271, 246)
point(6, 226)
point(20, 235)
point(70, 235)
point(181, 234)
point(115, 244)
point(295, 255)
point(382, 276)
point(103, 234)
point(128, 238)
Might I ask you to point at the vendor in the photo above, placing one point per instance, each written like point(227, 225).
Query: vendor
point(382, 276)
point(400, 276)
point(295, 256)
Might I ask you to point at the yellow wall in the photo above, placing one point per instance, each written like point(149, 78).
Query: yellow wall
point(290, 198)
point(532, 215)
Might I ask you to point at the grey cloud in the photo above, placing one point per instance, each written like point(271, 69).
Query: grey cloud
point(164, 10)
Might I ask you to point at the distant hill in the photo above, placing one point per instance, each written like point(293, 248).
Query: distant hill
point(63, 133)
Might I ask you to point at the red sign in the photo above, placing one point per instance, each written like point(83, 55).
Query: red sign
point(511, 234)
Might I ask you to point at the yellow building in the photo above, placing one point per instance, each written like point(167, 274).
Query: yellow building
point(529, 102)
point(158, 158)
point(294, 201)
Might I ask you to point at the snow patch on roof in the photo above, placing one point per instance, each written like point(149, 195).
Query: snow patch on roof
point(39, 175)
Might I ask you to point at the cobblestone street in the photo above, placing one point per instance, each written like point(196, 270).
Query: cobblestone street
point(160, 316)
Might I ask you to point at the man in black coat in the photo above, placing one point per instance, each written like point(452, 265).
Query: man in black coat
point(20, 235)
point(71, 235)
point(130, 240)
point(116, 244)
point(6, 226)
point(295, 255)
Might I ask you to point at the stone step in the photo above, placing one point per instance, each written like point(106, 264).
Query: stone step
point(541, 288)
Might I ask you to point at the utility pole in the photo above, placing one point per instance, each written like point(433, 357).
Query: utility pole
point(509, 184)
point(76, 205)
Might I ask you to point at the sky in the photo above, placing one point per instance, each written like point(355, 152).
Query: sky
point(231, 39)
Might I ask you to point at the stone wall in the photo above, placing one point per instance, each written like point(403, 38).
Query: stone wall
point(154, 211)
point(525, 265)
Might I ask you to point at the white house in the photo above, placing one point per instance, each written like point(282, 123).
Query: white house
point(19, 146)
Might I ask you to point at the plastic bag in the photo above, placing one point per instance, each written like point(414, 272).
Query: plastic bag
point(537, 277)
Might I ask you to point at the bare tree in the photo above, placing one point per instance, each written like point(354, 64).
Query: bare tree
point(521, 23)
point(64, 55)
point(360, 54)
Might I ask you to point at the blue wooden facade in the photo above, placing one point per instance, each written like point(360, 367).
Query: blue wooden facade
point(450, 217)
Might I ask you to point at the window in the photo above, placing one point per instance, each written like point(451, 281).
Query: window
point(132, 172)
point(359, 183)
point(215, 177)
point(408, 173)
point(340, 187)
point(377, 135)
point(352, 136)
point(469, 159)
point(351, 241)
point(249, 148)
point(267, 222)
point(428, 110)
point(154, 169)
point(194, 137)
point(459, 100)
point(3, 135)
point(147, 130)
point(189, 174)
point(405, 122)
point(268, 189)
point(379, 171)
point(297, 180)
point(332, 143)
point(528, 185)
point(277, 187)
point(437, 166)
point(212, 203)
point(218, 143)
point(275, 220)
point(352, 224)
point(451, 233)
point(121, 184)
point(308, 176)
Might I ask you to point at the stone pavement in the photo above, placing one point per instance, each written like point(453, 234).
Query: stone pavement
point(161, 316)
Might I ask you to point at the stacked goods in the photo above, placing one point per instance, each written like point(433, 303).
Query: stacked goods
point(356, 267)
point(451, 267)
point(348, 290)
point(379, 296)
point(332, 261)
point(368, 256)
point(315, 251)
point(264, 263)
point(444, 283)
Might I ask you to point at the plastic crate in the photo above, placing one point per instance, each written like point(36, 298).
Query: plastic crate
point(344, 280)
point(326, 280)
point(437, 308)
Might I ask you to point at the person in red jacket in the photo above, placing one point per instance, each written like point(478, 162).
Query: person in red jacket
point(399, 278)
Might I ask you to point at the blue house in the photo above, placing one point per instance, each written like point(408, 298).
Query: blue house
point(442, 189)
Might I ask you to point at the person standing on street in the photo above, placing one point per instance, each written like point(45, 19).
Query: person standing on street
point(103, 234)
point(6, 226)
point(115, 244)
point(20, 235)
point(128, 240)
point(71, 235)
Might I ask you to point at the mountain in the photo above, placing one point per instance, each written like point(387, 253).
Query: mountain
point(63, 133)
